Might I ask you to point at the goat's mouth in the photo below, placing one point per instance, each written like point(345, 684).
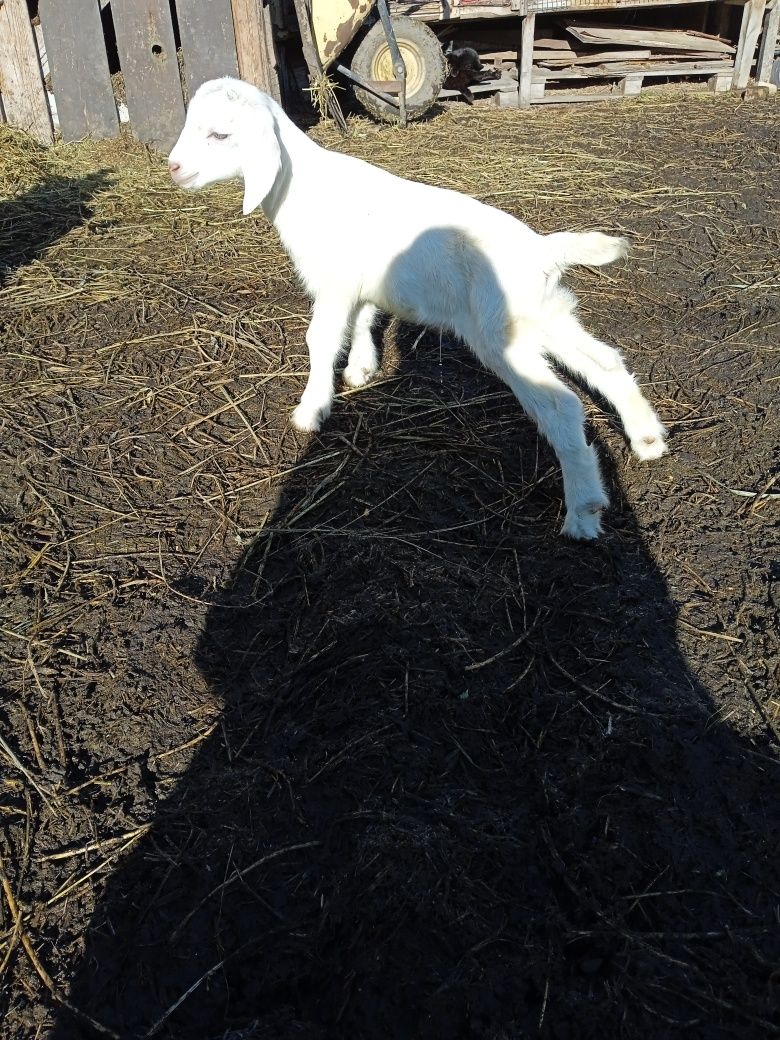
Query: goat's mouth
point(186, 181)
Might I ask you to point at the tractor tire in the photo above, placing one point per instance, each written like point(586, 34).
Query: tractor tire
point(426, 67)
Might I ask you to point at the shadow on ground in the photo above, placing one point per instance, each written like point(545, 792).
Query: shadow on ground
point(36, 219)
point(465, 785)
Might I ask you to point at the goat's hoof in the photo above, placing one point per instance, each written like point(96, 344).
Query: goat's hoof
point(584, 523)
point(651, 445)
point(357, 376)
point(307, 420)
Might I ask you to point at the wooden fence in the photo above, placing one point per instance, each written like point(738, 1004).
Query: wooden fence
point(81, 58)
point(164, 48)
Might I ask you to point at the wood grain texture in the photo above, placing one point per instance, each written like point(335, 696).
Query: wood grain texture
point(24, 99)
point(766, 52)
point(257, 60)
point(658, 39)
point(526, 60)
point(147, 54)
point(80, 76)
point(752, 20)
point(208, 41)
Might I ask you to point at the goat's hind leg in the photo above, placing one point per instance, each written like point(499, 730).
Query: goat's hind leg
point(602, 367)
point(325, 336)
point(363, 361)
point(559, 414)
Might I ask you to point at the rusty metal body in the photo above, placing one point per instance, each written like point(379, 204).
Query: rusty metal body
point(334, 24)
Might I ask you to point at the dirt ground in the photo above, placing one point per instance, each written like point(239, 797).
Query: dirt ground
point(335, 737)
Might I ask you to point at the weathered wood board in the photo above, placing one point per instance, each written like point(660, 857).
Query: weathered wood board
point(147, 55)
point(553, 44)
point(525, 68)
point(557, 59)
point(661, 39)
point(25, 103)
point(80, 76)
point(750, 30)
point(766, 51)
point(677, 68)
point(208, 41)
point(257, 61)
point(562, 58)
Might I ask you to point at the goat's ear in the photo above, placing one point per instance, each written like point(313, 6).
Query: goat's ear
point(261, 160)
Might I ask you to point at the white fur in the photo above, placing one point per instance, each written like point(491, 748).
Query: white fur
point(365, 241)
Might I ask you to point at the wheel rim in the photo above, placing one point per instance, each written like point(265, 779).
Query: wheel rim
point(382, 65)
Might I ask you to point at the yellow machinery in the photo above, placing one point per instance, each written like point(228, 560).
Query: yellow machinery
point(397, 68)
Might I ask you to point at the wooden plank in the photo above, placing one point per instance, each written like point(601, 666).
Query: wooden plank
point(720, 82)
point(257, 60)
point(526, 60)
point(506, 100)
point(73, 33)
point(660, 55)
point(750, 30)
point(208, 42)
point(766, 52)
point(493, 86)
point(553, 44)
point(630, 86)
point(615, 69)
point(558, 97)
point(662, 39)
point(437, 11)
point(21, 81)
point(432, 11)
point(558, 58)
point(566, 97)
point(147, 55)
point(629, 54)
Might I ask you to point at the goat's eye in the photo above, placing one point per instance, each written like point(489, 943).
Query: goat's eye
point(219, 137)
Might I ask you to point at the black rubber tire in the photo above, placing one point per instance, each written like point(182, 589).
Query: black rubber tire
point(426, 67)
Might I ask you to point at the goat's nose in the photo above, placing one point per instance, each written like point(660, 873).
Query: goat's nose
point(173, 167)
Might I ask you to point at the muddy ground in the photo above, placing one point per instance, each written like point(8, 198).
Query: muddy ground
point(335, 737)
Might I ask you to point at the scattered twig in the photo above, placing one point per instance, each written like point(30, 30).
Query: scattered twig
point(42, 973)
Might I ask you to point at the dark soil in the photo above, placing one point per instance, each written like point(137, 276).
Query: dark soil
point(336, 737)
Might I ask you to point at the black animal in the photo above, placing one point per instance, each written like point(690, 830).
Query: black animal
point(465, 70)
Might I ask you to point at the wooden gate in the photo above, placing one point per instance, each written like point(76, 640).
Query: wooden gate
point(165, 49)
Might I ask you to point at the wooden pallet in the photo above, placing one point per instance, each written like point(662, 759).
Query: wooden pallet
point(627, 81)
point(722, 73)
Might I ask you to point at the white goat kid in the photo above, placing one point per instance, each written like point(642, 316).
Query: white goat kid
point(365, 241)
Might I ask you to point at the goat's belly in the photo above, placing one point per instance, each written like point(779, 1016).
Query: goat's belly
point(440, 278)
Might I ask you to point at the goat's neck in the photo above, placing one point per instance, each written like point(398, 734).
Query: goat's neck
point(292, 201)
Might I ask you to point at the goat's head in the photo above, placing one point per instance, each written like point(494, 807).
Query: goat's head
point(230, 131)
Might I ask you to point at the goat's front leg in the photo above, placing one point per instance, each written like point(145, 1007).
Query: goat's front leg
point(330, 321)
point(363, 361)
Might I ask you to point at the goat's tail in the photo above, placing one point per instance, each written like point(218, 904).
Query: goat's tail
point(587, 247)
